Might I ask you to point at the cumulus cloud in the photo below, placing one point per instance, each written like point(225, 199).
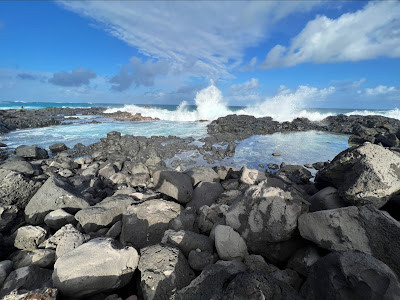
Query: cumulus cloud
point(365, 34)
point(250, 66)
point(246, 86)
point(26, 76)
point(76, 78)
point(247, 91)
point(199, 38)
point(381, 90)
point(138, 73)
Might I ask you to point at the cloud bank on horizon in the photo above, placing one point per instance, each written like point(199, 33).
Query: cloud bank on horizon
point(343, 53)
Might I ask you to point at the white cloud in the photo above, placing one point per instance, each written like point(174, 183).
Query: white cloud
point(381, 90)
point(246, 86)
point(203, 38)
point(369, 33)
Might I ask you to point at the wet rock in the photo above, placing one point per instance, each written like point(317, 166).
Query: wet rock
point(187, 241)
point(230, 245)
point(367, 174)
point(350, 275)
point(198, 259)
point(58, 147)
point(43, 258)
point(99, 265)
point(327, 198)
point(55, 193)
point(174, 184)
point(264, 215)
point(144, 224)
point(58, 218)
point(205, 193)
point(164, 270)
point(27, 278)
point(273, 166)
point(212, 280)
point(364, 228)
point(31, 152)
point(29, 237)
point(202, 174)
point(252, 176)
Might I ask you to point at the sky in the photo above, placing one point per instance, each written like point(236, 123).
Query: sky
point(343, 54)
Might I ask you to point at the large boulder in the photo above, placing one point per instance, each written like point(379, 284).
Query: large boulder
point(104, 214)
point(163, 271)
point(174, 184)
point(230, 245)
point(201, 173)
point(252, 176)
point(32, 152)
point(350, 275)
point(144, 224)
point(29, 237)
point(58, 147)
point(6, 267)
point(16, 188)
point(97, 266)
point(327, 198)
point(19, 166)
point(265, 215)
point(364, 228)
point(205, 194)
point(59, 218)
point(55, 193)
point(187, 241)
point(43, 258)
point(367, 174)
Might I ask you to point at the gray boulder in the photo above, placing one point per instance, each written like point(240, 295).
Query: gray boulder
point(230, 245)
point(187, 241)
point(198, 259)
point(208, 216)
point(367, 174)
point(265, 215)
point(58, 147)
point(201, 173)
point(205, 194)
point(16, 188)
point(144, 224)
point(212, 280)
point(29, 237)
point(364, 228)
point(54, 194)
point(327, 198)
point(19, 166)
point(163, 271)
point(27, 278)
point(104, 214)
point(252, 176)
point(174, 184)
point(303, 260)
point(31, 152)
point(58, 218)
point(43, 258)
point(97, 266)
point(350, 275)
point(6, 267)
point(184, 221)
point(294, 174)
point(8, 216)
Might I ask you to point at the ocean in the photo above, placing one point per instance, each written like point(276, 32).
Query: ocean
point(186, 120)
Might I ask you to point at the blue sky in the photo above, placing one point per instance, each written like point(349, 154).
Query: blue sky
point(329, 54)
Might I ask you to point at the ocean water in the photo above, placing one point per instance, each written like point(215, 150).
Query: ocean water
point(184, 120)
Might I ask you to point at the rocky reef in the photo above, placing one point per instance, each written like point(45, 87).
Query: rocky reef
point(113, 221)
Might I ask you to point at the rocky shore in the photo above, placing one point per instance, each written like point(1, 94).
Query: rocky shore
point(120, 223)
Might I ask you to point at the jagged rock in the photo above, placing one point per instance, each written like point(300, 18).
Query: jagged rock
point(258, 285)
point(144, 224)
point(198, 259)
point(205, 194)
point(174, 184)
point(184, 221)
point(202, 174)
point(228, 197)
point(210, 215)
point(31, 152)
point(294, 173)
point(364, 228)
point(327, 198)
point(29, 237)
point(164, 270)
point(265, 215)
point(224, 171)
point(136, 168)
point(108, 170)
point(16, 189)
point(114, 230)
point(19, 166)
point(55, 193)
point(103, 214)
point(187, 241)
point(8, 214)
point(350, 275)
point(252, 176)
point(6, 267)
point(43, 258)
point(97, 266)
point(58, 218)
point(303, 260)
point(38, 294)
point(27, 278)
point(212, 280)
point(389, 140)
point(367, 174)
point(230, 245)
point(58, 147)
